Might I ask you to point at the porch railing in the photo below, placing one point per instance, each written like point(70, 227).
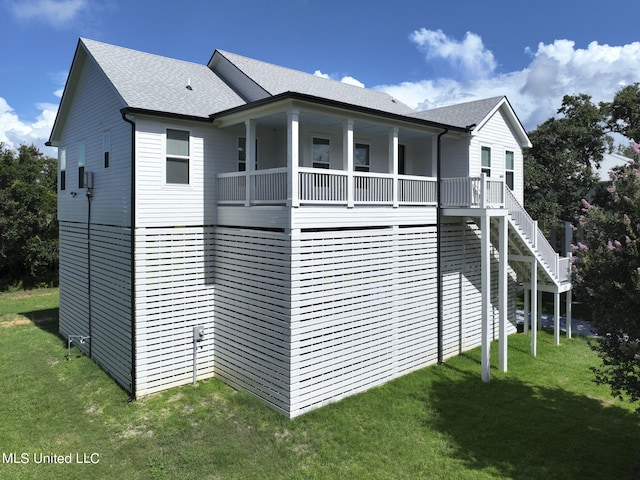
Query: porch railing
point(317, 186)
point(472, 192)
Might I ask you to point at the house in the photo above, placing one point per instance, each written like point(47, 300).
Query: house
point(301, 239)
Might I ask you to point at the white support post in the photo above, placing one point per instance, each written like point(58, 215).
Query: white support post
point(483, 190)
point(527, 298)
point(534, 240)
point(485, 265)
point(534, 307)
point(556, 318)
point(293, 157)
point(393, 162)
point(250, 159)
point(569, 313)
point(347, 163)
point(503, 294)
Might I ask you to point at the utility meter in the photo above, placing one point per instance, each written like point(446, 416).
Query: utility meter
point(198, 333)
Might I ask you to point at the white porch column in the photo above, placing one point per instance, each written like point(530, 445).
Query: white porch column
point(569, 313)
point(503, 294)
point(527, 297)
point(534, 307)
point(293, 157)
point(556, 318)
point(485, 262)
point(393, 162)
point(347, 159)
point(250, 158)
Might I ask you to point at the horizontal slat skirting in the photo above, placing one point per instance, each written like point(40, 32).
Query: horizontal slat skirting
point(174, 293)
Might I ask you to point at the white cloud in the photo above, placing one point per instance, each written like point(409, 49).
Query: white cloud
point(55, 12)
point(346, 79)
point(469, 55)
point(536, 91)
point(15, 131)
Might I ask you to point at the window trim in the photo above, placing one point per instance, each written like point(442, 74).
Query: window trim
point(509, 173)
point(242, 163)
point(63, 168)
point(82, 159)
point(316, 164)
point(106, 149)
point(177, 158)
point(367, 147)
point(486, 169)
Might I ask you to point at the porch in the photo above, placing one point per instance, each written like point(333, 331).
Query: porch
point(349, 188)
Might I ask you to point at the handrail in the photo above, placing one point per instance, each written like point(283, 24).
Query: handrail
point(559, 267)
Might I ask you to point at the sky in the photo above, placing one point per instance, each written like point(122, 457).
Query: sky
point(427, 54)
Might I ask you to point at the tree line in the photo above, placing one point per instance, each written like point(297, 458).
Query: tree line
point(28, 220)
point(561, 185)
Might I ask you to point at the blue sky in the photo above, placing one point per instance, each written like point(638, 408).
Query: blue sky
point(427, 54)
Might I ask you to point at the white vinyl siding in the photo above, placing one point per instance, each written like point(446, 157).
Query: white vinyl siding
point(497, 134)
point(95, 102)
point(159, 204)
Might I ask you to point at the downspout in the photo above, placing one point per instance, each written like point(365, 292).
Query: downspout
point(439, 242)
point(89, 306)
point(124, 112)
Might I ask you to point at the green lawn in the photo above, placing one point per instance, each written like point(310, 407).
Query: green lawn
point(544, 419)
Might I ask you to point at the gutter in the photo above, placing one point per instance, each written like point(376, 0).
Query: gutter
point(440, 330)
point(132, 253)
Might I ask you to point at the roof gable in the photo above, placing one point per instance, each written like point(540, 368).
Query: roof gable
point(474, 115)
point(275, 80)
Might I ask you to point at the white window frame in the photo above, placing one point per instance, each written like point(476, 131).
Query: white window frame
point(177, 157)
point(486, 169)
point(509, 173)
point(314, 162)
point(63, 168)
point(361, 168)
point(242, 163)
point(82, 160)
point(106, 149)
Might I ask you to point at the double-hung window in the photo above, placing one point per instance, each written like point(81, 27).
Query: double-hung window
point(509, 168)
point(106, 149)
point(361, 157)
point(63, 168)
point(82, 152)
point(177, 157)
point(321, 152)
point(486, 161)
point(242, 154)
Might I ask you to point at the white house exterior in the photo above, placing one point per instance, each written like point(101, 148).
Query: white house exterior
point(301, 239)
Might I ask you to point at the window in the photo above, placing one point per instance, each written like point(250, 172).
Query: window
point(509, 169)
point(81, 160)
point(401, 166)
point(106, 148)
point(321, 152)
point(361, 157)
point(63, 168)
point(177, 156)
point(486, 161)
point(242, 154)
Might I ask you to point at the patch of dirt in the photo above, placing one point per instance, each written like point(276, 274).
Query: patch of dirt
point(21, 320)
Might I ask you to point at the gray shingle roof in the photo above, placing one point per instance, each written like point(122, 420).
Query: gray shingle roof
point(276, 80)
point(462, 114)
point(157, 83)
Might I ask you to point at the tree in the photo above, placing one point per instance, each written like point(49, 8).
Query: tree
point(623, 113)
point(28, 224)
point(559, 168)
point(607, 269)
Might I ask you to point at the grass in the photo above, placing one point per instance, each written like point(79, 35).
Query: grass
point(543, 419)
